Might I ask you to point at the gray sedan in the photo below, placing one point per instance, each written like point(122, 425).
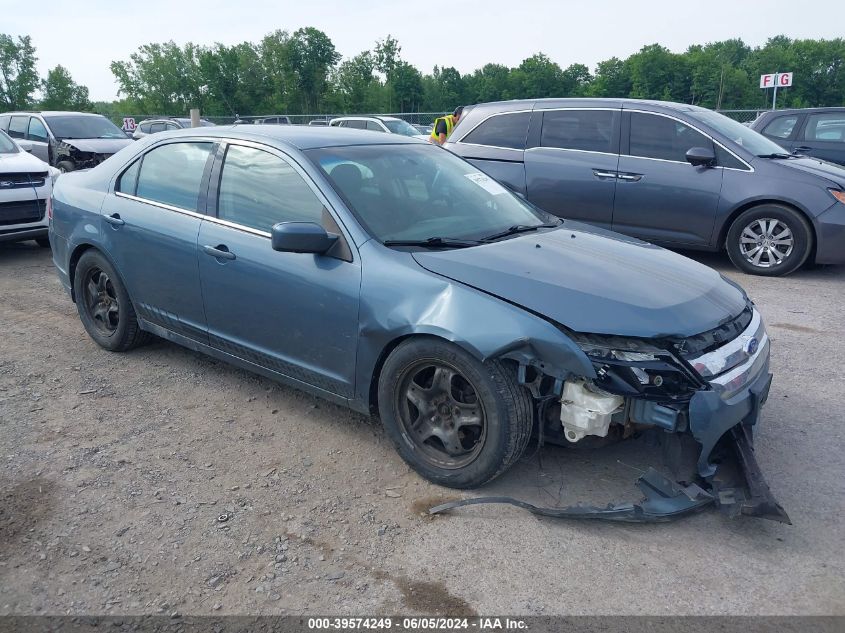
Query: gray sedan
point(393, 277)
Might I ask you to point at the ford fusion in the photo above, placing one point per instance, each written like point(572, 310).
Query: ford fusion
point(393, 277)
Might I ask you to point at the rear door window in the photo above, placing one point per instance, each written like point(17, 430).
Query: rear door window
point(17, 126)
point(358, 125)
point(172, 174)
point(374, 127)
point(825, 127)
point(4, 122)
point(156, 127)
point(258, 189)
point(502, 130)
point(655, 136)
point(585, 130)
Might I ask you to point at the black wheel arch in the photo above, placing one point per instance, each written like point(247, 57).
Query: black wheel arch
point(77, 254)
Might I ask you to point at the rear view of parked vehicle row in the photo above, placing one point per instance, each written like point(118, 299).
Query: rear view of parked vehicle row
point(378, 271)
point(671, 174)
point(66, 140)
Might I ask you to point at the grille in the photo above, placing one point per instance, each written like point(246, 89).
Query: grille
point(708, 341)
point(20, 212)
point(17, 180)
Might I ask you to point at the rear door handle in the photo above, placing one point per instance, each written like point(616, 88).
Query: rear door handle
point(219, 252)
point(630, 177)
point(114, 219)
point(598, 173)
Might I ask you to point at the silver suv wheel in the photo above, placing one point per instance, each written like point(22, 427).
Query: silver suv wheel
point(766, 242)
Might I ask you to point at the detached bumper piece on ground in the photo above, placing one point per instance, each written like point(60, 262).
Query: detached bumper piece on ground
point(738, 487)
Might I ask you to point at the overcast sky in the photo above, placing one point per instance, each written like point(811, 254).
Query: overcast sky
point(86, 35)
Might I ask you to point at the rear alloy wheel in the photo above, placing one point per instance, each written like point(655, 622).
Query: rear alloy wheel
point(104, 306)
point(457, 422)
point(769, 240)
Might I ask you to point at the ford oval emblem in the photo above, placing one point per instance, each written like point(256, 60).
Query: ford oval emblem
point(751, 346)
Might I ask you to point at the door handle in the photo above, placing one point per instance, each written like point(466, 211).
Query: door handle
point(630, 177)
point(598, 173)
point(114, 219)
point(218, 252)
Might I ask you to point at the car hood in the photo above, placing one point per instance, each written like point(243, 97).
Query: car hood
point(591, 280)
point(98, 145)
point(21, 162)
point(831, 171)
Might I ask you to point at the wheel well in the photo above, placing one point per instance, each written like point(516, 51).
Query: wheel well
point(723, 235)
point(74, 260)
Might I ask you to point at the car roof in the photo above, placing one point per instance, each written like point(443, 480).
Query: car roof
point(800, 110)
point(296, 136)
point(52, 112)
point(587, 102)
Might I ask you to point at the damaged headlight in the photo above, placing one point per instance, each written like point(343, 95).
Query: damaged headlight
point(652, 374)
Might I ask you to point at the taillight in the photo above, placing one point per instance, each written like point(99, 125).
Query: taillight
point(839, 195)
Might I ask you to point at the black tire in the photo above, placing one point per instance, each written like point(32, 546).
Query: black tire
point(65, 166)
point(104, 306)
point(489, 391)
point(43, 242)
point(775, 257)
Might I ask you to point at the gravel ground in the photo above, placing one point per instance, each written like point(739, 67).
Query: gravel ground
point(162, 481)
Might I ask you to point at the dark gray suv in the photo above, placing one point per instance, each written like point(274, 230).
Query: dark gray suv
point(672, 174)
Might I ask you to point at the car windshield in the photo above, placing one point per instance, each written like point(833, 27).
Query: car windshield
point(7, 145)
point(740, 134)
point(411, 192)
point(401, 127)
point(70, 126)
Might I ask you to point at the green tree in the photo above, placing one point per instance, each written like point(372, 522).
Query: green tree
point(18, 76)
point(612, 79)
point(312, 55)
point(354, 81)
point(538, 77)
point(407, 87)
point(60, 92)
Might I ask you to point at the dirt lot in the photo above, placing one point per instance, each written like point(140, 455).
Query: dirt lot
point(161, 481)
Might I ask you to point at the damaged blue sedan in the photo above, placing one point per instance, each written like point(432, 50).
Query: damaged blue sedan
point(393, 277)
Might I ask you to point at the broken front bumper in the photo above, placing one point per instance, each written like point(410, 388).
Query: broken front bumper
point(721, 417)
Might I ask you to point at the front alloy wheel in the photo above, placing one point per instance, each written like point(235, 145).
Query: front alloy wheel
point(769, 239)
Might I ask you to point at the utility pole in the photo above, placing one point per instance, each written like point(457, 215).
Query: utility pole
point(775, 93)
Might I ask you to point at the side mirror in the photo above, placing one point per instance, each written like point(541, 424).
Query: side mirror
point(701, 156)
point(301, 237)
point(25, 146)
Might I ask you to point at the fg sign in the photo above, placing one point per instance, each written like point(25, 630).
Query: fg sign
point(776, 80)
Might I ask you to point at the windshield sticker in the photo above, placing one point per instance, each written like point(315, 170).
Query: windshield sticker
point(485, 182)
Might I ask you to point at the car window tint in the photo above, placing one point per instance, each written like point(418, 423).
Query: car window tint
point(156, 127)
point(373, 126)
point(586, 130)
point(825, 127)
point(37, 131)
point(781, 127)
point(654, 136)
point(17, 126)
point(358, 125)
point(504, 130)
point(258, 190)
point(172, 174)
point(145, 128)
point(127, 180)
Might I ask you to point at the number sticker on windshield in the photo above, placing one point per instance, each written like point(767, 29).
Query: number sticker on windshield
point(485, 182)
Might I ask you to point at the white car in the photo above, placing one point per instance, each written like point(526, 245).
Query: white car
point(388, 124)
point(26, 183)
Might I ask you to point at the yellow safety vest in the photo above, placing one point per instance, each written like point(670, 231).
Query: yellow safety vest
point(450, 123)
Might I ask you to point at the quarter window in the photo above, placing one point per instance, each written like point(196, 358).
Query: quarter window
point(259, 189)
point(17, 126)
point(586, 130)
point(825, 127)
point(503, 130)
point(781, 127)
point(654, 136)
point(128, 179)
point(172, 174)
